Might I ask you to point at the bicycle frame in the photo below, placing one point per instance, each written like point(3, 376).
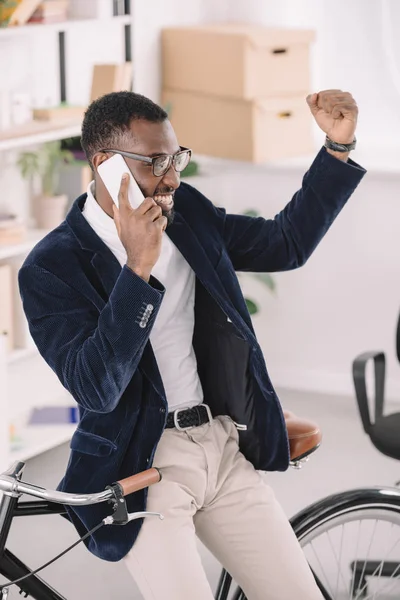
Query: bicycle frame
point(10, 566)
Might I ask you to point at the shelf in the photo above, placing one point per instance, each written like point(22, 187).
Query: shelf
point(38, 132)
point(39, 28)
point(33, 236)
point(37, 439)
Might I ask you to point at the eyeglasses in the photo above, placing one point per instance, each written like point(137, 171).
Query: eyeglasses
point(162, 162)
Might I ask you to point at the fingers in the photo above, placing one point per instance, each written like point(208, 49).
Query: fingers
point(155, 212)
point(123, 200)
point(117, 219)
point(337, 103)
point(312, 101)
point(146, 205)
point(162, 222)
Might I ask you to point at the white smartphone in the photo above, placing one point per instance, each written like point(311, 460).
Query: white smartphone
point(111, 171)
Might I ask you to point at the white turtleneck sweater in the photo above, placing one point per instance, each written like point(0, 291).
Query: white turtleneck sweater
point(172, 333)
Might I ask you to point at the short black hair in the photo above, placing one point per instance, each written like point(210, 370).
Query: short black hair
point(108, 118)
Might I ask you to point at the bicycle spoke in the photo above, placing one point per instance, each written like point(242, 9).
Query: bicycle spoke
point(337, 561)
point(384, 589)
point(322, 569)
point(365, 561)
point(340, 554)
point(353, 578)
point(378, 571)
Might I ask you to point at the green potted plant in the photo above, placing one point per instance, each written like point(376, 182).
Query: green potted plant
point(45, 164)
point(6, 10)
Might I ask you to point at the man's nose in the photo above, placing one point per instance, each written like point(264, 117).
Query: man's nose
point(172, 179)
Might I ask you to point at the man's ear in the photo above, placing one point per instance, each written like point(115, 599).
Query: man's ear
point(98, 158)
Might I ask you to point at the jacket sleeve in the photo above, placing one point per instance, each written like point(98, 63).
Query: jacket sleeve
point(94, 355)
point(287, 241)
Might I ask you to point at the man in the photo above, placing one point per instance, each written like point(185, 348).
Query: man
point(140, 314)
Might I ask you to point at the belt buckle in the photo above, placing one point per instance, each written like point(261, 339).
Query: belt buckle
point(179, 410)
point(208, 409)
point(176, 422)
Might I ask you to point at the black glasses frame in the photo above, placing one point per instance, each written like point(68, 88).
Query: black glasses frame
point(148, 159)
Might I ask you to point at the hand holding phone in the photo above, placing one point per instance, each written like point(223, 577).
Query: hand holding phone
point(140, 225)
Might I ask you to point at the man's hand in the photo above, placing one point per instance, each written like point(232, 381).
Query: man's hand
point(336, 114)
point(140, 231)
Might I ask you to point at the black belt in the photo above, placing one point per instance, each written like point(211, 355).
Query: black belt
point(189, 417)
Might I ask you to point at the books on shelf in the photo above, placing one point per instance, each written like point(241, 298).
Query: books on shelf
point(12, 231)
point(58, 113)
point(54, 415)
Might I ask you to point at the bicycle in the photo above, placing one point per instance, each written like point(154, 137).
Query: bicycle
point(347, 574)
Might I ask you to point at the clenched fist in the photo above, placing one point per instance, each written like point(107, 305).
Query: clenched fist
point(336, 114)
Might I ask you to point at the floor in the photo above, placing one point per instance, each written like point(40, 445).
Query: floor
point(345, 460)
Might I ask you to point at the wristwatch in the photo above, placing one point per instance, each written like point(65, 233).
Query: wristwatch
point(340, 147)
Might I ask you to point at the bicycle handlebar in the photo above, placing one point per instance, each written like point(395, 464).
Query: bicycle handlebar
point(12, 486)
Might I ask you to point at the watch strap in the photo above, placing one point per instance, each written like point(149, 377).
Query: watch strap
point(340, 147)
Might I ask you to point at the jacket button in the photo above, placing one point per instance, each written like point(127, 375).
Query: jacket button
point(162, 410)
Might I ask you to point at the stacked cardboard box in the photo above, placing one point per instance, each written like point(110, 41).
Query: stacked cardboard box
point(238, 91)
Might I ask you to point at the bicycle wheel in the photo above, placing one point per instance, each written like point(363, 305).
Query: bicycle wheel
point(352, 543)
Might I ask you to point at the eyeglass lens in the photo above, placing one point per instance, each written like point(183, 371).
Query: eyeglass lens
point(162, 163)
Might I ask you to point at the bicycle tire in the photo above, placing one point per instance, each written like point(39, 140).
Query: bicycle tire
point(318, 515)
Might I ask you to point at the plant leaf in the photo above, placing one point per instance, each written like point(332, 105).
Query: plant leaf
point(191, 169)
point(251, 212)
point(266, 279)
point(251, 306)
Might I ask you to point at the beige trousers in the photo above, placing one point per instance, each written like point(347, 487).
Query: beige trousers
point(210, 489)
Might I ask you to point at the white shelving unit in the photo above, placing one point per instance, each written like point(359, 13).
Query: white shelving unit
point(37, 439)
point(40, 132)
point(32, 237)
point(39, 29)
point(30, 60)
point(23, 371)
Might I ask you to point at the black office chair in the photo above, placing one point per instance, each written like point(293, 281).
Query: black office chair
point(384, 432)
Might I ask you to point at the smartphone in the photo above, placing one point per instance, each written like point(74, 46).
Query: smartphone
point(111, 171)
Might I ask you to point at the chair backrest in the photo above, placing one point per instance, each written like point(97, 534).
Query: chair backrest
point(398, 339)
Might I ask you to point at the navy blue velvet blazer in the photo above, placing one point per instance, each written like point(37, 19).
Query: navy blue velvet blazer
point(85, 315)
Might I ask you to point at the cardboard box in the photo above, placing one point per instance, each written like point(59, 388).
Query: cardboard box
point(256, 131)
point(6, 305)
point(110, 78)
point(237, 61)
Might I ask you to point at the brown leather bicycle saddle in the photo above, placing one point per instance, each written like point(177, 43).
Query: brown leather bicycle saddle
point(304, 436)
